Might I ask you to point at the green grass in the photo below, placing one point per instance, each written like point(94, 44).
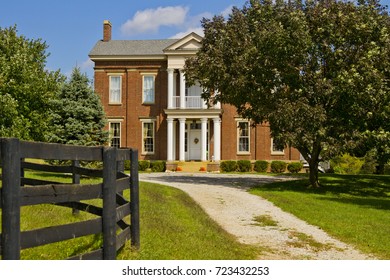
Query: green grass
point(352, 208)
point(173, 227)
point(265, 221)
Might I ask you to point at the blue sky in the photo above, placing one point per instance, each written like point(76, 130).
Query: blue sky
point(71, 28)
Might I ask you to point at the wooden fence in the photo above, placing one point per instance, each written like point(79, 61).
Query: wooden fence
point(17, 191)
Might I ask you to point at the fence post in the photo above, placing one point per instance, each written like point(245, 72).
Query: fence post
point(134, 199)
point(10, 237)
point(75, 180)
point(109, 203)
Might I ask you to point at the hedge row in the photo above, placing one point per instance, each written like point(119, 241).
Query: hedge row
point(260, 166)
point(144, 165)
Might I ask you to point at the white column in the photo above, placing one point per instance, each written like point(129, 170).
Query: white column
point(175, 90)
point(174, 140)
point(182, 90)
point(170, 88)
point(218, 105)
point(170, 139)
point(217, 139)
point(182, 130)
point(203, 140)
point(204, 104)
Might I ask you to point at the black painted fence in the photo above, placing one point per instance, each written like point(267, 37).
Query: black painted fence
point(17, 191)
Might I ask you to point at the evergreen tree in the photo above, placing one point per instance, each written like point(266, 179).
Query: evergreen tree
point(77, 114)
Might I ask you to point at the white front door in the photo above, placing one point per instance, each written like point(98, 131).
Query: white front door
point(194, 145)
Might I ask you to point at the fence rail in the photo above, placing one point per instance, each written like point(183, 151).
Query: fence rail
point(17, 191)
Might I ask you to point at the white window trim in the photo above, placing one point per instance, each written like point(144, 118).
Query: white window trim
point(152, 121)
point(120, 131)
point(275, 153)
point(154, 87)
point(238, 137)
point(110, 75)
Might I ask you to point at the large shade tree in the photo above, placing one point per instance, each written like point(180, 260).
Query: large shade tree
point(26, 86)
point(316, 71)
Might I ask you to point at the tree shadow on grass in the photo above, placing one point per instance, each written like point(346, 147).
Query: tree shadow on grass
point(376, 203)
point(354, 185)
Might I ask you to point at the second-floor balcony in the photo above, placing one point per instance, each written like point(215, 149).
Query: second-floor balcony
point(192, 102)
point(189, 102)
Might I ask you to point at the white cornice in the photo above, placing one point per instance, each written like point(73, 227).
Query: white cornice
point(133, 57)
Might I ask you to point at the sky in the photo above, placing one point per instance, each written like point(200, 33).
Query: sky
point(71, 28)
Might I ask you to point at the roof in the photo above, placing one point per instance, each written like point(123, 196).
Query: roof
point(131, 47)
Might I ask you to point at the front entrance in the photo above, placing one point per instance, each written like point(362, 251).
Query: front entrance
point(194, 145)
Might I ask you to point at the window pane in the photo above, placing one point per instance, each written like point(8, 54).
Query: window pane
point(148, 89)
point(148, 138)
point(243, 137)
point(115, 89)
point(243, 129)
point(115, 142)
point(244, 145)
point(115, 131)
point(277, 146)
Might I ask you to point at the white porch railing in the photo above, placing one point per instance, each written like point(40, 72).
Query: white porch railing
point(190, 102)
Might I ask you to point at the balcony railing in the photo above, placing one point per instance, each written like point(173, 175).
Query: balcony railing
point(190, 102)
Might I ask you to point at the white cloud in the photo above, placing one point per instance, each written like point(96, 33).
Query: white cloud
point(192, 24)
point(225, 13)
point(86, 65)
point(197, 30)
point(150, 20)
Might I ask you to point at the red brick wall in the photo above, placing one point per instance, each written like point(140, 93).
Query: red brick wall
point(260, 140)
point(132, 110)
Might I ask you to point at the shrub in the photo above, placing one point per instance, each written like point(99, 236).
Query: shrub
point(158, 166)
point(278, 166)
point(387, 169)
point(126, 164)
point(369, 165)
point(143, 165)
point(347, 164)
point(228, 166)
point(261, 166)
point(294, 167)
point(244, 165)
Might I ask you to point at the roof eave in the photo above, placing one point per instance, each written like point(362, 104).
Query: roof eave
point(126, 57)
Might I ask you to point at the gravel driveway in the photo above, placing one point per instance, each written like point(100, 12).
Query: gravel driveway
point(225, 199)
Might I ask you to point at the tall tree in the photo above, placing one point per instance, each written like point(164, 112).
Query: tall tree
point(25, 86)
point(316, 71)
point(77, 114)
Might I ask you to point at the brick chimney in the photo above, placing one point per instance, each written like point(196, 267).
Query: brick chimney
point(106, 31)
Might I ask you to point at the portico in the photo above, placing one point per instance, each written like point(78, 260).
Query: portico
point(191, 137)
point(192, 124)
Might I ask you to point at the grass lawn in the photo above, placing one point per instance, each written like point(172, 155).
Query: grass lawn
point(173, 227)
point(353, 208)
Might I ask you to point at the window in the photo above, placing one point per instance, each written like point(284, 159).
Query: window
point(115, 89)
point(277, 147)
point(115, 133)
point(148, 138)
point(243, 137)
point(148, 89)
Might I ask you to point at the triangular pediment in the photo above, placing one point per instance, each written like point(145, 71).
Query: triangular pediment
point(191, 42)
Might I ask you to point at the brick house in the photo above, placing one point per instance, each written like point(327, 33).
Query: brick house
point(149, 106)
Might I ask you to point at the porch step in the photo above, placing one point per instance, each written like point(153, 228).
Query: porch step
point(192, 166)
